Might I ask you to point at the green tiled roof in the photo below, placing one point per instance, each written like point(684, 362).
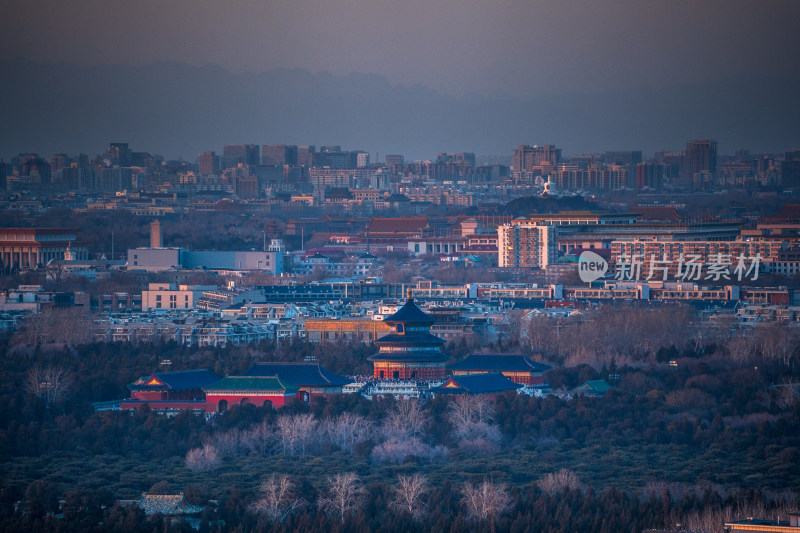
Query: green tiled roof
point(251, 383)
point(597, 386)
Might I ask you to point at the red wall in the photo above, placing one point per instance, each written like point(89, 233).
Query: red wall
point(147, 395)
point(278, 401)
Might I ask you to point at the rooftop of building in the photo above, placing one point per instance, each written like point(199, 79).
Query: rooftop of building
point(299, 374)
point(414, 338)
point(251, 383)
point(488, 383)
point(410, 314)
point(177, 380)
point(397, 225)
point(499, 363)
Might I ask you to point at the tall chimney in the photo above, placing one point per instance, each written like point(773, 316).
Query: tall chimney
point(155, 234)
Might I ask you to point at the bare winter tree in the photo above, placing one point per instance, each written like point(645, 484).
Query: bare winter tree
point(397, 450)
point(788, 394)
point(296, 432)
point(344, 495)
point(478, 437)
point(347, 430)
point(555, 482)
point(777, 342)
point(408, 493)
point(540, 333)
point(277, 498)
point(713, 520)
point(468, 409)
point(741, 348)
point(259, 439)
point(54, 325)
point(471, 417)
point(406, 419)
point(49, 384)
point(202, 459)
point(485, 501)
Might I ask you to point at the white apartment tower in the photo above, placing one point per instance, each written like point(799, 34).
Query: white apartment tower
point(525, 243)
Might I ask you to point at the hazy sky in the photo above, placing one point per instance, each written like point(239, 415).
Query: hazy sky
point(454, 46)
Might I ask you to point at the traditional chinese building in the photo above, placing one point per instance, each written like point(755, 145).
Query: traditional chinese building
point(756, 525)
point(409, 351)
point(266, 391)
point(32, 247)
point(593, 389)
point(310, 378)
point(170, 390)
point(516, 367)
point(485, 383)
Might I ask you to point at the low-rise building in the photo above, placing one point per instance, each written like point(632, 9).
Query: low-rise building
point(171, 296)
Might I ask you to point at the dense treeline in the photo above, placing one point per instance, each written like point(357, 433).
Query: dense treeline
point(710, 438)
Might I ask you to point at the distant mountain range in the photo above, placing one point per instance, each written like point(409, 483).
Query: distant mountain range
point(180, 110)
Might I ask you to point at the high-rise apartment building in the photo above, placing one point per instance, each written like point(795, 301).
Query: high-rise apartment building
point(526, 157)
point(700, 161)
point(627, 159)
point(120, 154)
point(305, 155)
point(653, 174)
point(233, 154)
point(278, 155)
point(526, 244)
point(362, 159)
point(395, 162)
point(466, 159)
point(208, 163)
point(5, 170)
point(790, 169)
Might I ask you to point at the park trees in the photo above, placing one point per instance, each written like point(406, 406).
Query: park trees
point(485, 501)
point(277, 498)
point(408, 493)
point(344, 494)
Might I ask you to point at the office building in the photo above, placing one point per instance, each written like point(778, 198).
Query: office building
point(235, 154)
point(208, 163)
point(279, 155)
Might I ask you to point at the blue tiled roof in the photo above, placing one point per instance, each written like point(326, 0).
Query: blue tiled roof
point(179, 380)
point(415, 337)
point(299, 374)
point(499, 363)
point(270, 384)
point(410, 313)
point(478, 384)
